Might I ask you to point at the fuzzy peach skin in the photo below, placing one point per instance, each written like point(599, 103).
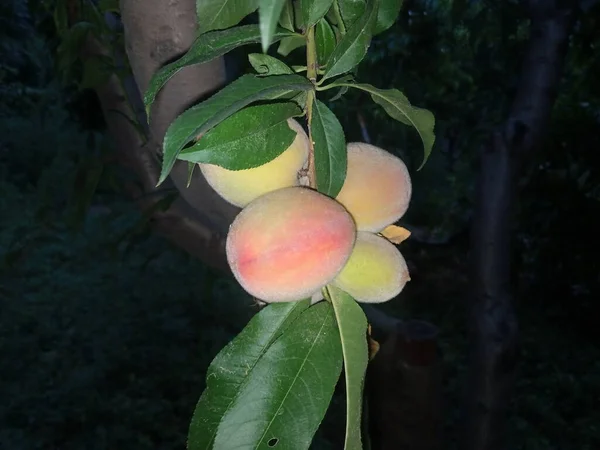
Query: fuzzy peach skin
point(376, 271)
point(377, 188)
point(287, 244)
point(240, 187)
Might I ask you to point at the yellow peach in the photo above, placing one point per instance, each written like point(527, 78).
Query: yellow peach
point(240, 187)
point(377, 188)
point(287, 244)
point(376, 271)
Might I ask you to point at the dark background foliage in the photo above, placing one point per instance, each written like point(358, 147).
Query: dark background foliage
point(106, 329)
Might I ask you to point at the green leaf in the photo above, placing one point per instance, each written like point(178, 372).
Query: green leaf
point(61, 18)
point(288, 391)
point(68, 51)
point(249, 138)
point(343, 89)
point(325, 39)
point(397, 106)
point(109, 6)
point(340, 93)
point(205, 48)
point(301, 99)
point(331, 156)
point(202, 117)
point(351, 10)
point(232, 367)
point(298, 16)
point(314, 10)
point(286, 20)
point(387, 15)
point(191, 167)
point(90, 13)
point(291, 43)
point(269, 12)
point(353, 46)
point(220, 14)
point(352, 324)
point(337, 31)
point(97, 69)
point(268, 65)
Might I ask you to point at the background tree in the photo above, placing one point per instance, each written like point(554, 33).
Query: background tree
point(472, 70)
point(492, 318)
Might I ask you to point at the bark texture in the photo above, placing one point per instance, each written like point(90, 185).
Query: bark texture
point(492, 320)
point(157, 32)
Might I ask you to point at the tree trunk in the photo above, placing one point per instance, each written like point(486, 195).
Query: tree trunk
point(492, 320)
point(157, 32)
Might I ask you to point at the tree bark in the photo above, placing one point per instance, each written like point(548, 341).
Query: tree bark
point(492, 320)
point(157, 32)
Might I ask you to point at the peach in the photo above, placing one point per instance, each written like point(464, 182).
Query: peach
point(377, 188)
point(288, 244)
point(376, 271)
point(240, 187)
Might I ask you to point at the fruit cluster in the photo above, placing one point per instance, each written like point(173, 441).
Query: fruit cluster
point(289, 241)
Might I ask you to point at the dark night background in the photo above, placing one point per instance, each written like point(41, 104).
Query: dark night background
point(106, 328)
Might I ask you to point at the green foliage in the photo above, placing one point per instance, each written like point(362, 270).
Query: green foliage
point(220, 14)
point(386, 15)
point(270, 11)
point(91, 346)
point(286, 19)
point(397, 106)
point(228, 372)
point(267, 65)
point(291, 43)
point(349, 12)
point(205, 48)
point(259, 132)
point(338, 53)
point(103, 353)
point(97, 70)
point(90, 21)
point(353, 45)
point(199, 119)
point(313, 10)
point(353, 330)
point(325, 38)
point(330, 150)
point(290, 387)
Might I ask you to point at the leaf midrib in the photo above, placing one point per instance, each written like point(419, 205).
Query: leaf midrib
point(246, 379)
point(293, 383)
